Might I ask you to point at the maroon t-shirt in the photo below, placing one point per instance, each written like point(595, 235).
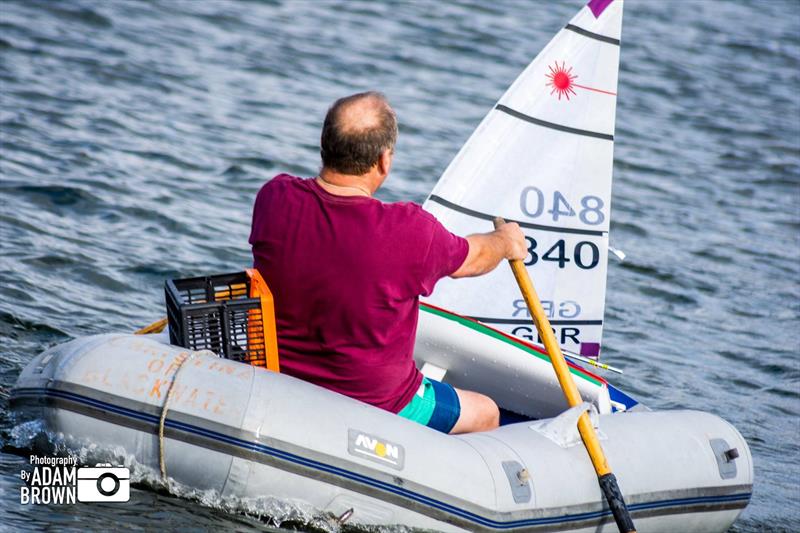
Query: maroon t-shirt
point(346, 273)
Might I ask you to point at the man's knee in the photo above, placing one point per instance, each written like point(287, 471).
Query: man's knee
point(478, 413)
point(491, 414)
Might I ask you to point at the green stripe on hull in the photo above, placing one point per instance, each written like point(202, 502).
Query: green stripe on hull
point(480, 328)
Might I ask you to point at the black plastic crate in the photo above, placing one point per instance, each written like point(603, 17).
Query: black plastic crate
point(216, 313)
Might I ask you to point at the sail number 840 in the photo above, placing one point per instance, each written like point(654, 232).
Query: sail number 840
point(558, 254)
point(532, 203)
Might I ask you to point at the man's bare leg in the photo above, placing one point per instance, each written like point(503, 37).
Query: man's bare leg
point(478, 413)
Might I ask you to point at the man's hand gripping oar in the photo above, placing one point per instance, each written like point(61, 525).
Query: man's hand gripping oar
point(608, 483)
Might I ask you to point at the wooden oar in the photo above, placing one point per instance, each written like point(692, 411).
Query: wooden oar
point(156, 327)
point(159, 325)
point(607, 480)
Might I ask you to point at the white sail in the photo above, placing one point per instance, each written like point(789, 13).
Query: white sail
point(543, 157)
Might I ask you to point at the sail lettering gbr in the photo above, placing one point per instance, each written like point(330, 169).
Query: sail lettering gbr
point(567, 336)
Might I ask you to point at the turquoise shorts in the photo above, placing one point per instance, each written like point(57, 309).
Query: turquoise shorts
point(435, 405)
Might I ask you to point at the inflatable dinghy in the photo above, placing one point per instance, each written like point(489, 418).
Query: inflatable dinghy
point(245, 432)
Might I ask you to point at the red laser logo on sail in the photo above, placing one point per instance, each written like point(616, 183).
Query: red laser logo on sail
point(562, 81)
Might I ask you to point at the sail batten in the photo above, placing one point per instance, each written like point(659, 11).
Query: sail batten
point(523, 224)
point(592, 35)
point(543, 157)
point(552, 125)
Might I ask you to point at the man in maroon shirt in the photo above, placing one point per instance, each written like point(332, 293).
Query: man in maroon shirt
point(347, 271)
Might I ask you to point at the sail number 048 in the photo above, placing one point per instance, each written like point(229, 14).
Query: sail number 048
point(532, 203)
point(558, 254)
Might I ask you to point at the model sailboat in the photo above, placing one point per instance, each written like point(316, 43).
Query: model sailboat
point(543, 157)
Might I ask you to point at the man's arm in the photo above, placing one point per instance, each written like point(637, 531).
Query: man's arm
point(486, 250)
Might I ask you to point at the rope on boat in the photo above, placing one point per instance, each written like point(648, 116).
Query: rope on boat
point(181, 360)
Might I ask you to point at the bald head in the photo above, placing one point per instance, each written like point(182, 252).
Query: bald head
point(360, 113)
point(357, 130)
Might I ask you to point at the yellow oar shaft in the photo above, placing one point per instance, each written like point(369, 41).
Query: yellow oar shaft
point(607, 480)
point(156, 327)
point(585, 427)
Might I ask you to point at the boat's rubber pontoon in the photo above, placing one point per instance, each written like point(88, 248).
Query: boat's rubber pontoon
point(246, 432)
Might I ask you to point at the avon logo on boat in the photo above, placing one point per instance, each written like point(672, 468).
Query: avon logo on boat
point(375, 448)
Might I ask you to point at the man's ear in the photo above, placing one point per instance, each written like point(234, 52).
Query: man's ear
point(385, 162)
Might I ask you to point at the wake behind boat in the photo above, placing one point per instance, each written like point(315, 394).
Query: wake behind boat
point(242, 430)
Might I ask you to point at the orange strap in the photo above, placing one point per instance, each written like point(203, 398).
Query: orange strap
point(259, 289)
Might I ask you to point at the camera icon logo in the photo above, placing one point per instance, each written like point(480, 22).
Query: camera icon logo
point(104, 483)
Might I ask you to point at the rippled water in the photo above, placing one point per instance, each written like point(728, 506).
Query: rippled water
point(135, 135)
